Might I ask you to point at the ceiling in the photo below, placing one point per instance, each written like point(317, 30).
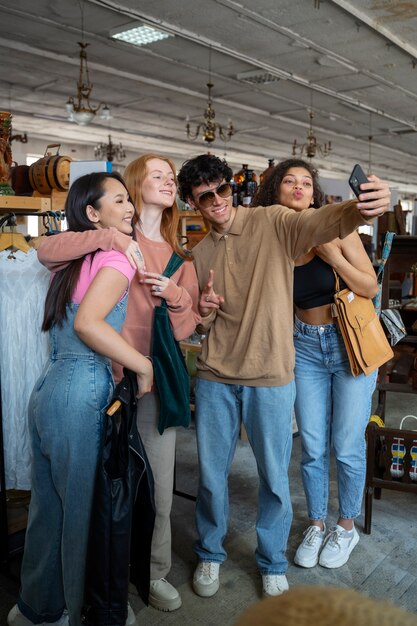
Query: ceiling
point(352, 62)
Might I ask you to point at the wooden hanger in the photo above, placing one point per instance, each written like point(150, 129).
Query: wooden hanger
point(13, 240)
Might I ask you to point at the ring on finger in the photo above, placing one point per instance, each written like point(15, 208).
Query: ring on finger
point(207, 299)
point(157, 288)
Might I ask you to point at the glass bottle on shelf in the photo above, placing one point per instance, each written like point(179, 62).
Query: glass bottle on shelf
point(239, 177)
point(248, 187)
point(246, 184)
point(235, 192)
point(268, 171)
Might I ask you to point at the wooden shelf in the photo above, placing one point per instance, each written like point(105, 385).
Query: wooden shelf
point(402, 257)
point(193, 236)
point(57, 199)
point(190, 214)
point(15, 204)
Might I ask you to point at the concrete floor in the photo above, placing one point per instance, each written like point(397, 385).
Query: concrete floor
point(382, 566)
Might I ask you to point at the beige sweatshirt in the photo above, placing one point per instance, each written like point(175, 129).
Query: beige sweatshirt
point(250, 338)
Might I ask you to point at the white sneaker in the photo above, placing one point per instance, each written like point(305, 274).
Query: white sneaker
point(131, 617)
point(308, 551)
point(337, 547)
point(16, 618)
point(274, 584)
point(163, 596)
point(206, 578)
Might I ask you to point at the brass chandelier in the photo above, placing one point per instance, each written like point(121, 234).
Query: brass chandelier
point(311, 147)
point(79, 108)
point(109, 151)
point(209, 126)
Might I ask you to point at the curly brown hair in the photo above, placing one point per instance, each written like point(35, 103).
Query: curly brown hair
point(267, 193)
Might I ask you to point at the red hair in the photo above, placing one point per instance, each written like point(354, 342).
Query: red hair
point(134, 176)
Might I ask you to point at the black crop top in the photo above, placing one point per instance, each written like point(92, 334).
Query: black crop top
point(314, 284)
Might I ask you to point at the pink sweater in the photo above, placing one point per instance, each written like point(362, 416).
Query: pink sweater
point(56, 252)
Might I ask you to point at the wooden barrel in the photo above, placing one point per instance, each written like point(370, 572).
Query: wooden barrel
point(50, 172)
point(19, 178)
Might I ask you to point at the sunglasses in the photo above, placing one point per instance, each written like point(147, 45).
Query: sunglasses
point(208, 198)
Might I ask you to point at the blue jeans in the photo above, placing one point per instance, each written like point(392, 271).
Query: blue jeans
point(332, 410)
point(66, 418)
point(266, 413)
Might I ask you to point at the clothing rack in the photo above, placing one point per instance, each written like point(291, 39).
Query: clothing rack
point(12, 545)
point(9, 219)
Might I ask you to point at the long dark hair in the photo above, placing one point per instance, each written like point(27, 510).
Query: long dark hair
point(86, 190)
point(268, 192)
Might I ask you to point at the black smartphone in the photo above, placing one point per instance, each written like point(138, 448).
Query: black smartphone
point(356, 178)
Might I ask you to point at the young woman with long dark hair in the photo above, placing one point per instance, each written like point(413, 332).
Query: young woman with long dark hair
point(151, 180)
point(84, 312)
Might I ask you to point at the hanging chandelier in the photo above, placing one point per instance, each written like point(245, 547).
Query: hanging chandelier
point(311, 147)
point(79, 108)
point(108, 151)
point(209, 127)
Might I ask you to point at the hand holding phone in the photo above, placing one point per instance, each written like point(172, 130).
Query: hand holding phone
point(356, 178)
point(381, 192)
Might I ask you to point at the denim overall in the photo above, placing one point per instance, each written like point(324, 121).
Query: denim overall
point(66, 417)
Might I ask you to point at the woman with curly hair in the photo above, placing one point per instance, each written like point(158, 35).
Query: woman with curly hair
point(332, 407)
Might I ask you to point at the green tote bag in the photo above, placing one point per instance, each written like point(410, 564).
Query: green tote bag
point(170, 371)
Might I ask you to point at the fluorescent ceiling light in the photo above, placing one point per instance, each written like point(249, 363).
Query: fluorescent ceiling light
point(141, 35)
point(257, 77)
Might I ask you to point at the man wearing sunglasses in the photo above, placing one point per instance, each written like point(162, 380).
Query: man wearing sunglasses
point(245, 370)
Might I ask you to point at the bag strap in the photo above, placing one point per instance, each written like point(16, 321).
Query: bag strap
point(336, 284)
point(174, 263)
point(333, 306)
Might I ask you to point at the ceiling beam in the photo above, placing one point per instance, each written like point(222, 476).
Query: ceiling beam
point(376, 25)
point(281, 73)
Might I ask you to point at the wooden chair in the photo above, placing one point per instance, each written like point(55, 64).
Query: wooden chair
point(391, 464)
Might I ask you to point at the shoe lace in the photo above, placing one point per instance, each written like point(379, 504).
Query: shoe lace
point(311, 535)
point(333, 538)
point(271, 582)
point(208, 568)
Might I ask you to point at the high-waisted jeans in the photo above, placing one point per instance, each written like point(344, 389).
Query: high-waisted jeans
point(66, 417)
point(332, 410)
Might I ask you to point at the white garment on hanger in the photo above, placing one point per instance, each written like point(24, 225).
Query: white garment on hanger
point(24, 349)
